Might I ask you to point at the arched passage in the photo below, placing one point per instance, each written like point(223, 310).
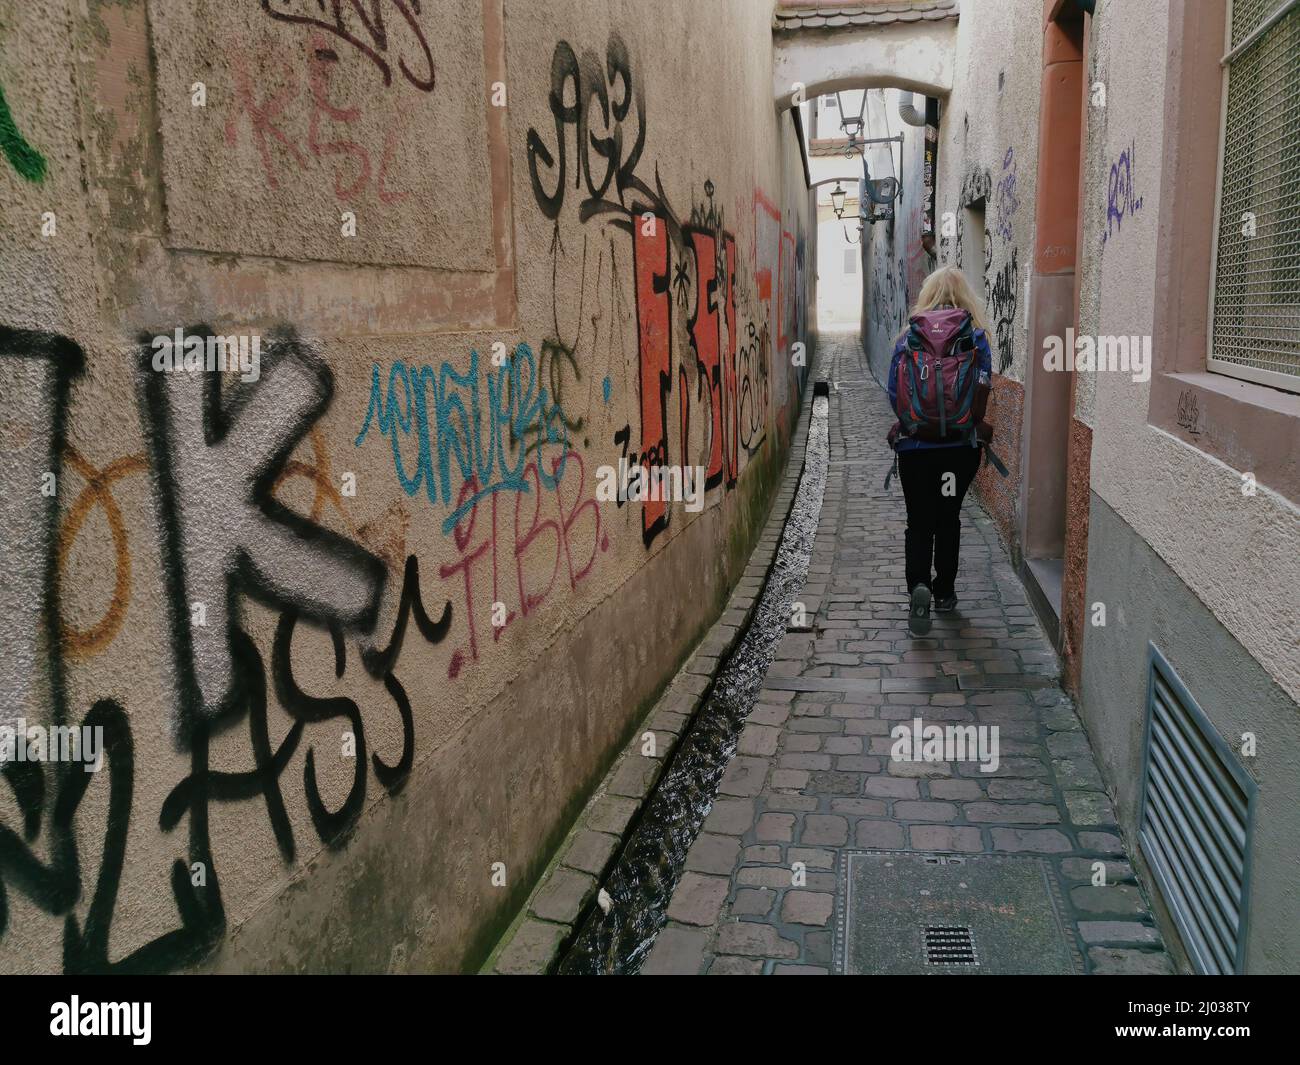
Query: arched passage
point(863, 46)
point(846, 179)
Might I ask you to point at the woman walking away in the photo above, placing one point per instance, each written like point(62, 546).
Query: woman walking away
point(938, 386)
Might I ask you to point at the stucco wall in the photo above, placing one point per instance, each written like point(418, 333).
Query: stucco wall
point(1151, 603)
point(988, 148)
point(1234, 551)
point(439, 635)
point(897, 262)
point(1177, 553)
point(839, 290)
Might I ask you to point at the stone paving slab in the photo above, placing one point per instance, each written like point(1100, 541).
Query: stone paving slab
point(816, 776)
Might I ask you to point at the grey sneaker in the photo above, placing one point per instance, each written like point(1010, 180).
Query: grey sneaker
point(918, 617)
point(946, 605)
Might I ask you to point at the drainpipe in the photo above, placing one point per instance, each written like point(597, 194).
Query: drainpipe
point(929, 118)
point(907, 109)
point(931, 171)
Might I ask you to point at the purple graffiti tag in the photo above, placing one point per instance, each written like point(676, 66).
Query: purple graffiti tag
point(1122, 199)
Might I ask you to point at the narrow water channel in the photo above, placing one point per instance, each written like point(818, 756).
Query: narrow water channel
point(647, 871)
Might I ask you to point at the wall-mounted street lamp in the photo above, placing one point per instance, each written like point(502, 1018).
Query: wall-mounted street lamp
point(852, 126)
point(837, 200)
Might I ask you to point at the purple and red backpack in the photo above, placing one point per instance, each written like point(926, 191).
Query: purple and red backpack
point(940, 396)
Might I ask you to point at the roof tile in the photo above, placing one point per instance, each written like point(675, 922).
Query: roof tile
point(793, 15)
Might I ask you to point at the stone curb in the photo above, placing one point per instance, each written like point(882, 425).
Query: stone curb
point(542, 932)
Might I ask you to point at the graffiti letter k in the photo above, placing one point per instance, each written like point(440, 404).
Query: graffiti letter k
point(216, 454)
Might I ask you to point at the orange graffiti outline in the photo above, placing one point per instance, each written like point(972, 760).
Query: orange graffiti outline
point(79, 643)
point(318, 472)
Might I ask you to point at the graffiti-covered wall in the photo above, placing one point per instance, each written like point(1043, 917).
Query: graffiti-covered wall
point(340, 346)
point(897, 262)
point(984, 216)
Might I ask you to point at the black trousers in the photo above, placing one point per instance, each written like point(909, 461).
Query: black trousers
point(933, 517)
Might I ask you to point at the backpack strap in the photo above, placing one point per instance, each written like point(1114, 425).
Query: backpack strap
point(893, 471)
point(967, 331)
point(943, 406)
point(990, 456)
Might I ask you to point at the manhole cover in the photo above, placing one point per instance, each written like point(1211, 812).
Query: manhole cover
point(916, 914)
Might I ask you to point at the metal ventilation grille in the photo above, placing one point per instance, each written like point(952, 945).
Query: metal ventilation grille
point(1197, 805)
point(950, 945)
point(1256, 331)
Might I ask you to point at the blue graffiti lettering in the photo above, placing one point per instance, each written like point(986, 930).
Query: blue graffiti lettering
point(521, 418)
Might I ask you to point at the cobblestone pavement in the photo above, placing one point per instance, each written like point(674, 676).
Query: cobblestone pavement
point(812, 776)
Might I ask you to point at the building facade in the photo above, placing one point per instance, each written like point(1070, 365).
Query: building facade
point(1120, 182)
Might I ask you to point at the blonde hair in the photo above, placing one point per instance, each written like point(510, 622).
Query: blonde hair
point(948, 287)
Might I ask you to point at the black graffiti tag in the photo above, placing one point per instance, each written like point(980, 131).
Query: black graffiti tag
point(583, 89)
point(371, 40)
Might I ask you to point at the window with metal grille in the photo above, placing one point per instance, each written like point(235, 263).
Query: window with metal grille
point(1196, 821)
point(850, 260)
point(1255, 331)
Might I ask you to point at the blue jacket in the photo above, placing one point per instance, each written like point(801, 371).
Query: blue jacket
point(985, 356)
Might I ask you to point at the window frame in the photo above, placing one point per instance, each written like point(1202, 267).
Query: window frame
point(1248, 426)
point(1269, 378)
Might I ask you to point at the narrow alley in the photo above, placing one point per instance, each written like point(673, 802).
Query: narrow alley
point(816, 791)
point(813, 781)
